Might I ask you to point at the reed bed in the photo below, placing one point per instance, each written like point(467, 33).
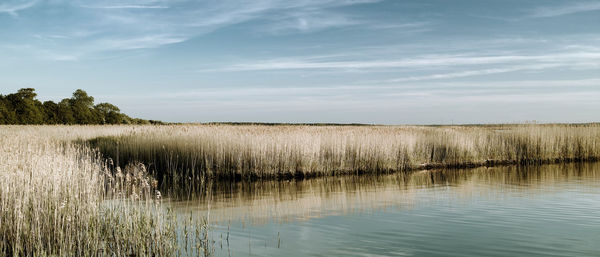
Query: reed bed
point(62, 199)
point(186, 155)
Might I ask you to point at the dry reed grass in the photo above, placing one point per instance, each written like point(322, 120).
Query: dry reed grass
point(186, 155)
point(63, 199)
point(60, 199)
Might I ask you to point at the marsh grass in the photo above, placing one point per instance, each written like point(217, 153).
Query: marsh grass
point(187, 155)
point(61, 199)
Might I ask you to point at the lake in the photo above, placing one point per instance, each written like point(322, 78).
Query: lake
point(550, 210)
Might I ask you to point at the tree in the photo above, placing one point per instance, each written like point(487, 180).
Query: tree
point(65, 114)
point(51, 113)
point(81, 105)
point(7, 114)
point(110, 114)
point(3, 111)
point(23, 108)
point(27, 108)
point(27, 93)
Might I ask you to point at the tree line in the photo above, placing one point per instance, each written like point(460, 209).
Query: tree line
point(22, 107)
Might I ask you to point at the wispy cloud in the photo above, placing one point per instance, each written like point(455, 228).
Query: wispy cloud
point(471, 73)
point(309, 22)
point(140, 42)
point(146, 24)
point(420, 26)
point(13, 7)
point(41, 53)
point(566, 9)
point(481, 72)
point(374, 95)
point(350, 102)
point(286, 57)
point(422, 61)
point(76, 53)
point(128, 7)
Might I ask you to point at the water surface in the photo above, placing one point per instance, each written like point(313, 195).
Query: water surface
point(551, 210)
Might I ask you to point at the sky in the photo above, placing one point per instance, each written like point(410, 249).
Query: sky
point(341, 61)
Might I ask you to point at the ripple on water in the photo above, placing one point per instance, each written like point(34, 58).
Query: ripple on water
point(504, 211)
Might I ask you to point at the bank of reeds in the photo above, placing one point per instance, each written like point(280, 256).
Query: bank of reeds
point(61, 199)
point(186, 155)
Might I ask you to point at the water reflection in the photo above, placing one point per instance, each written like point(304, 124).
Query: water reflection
point(285, 201)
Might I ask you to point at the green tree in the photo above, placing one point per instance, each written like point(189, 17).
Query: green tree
point(81, 106)
point(27, 108)
point(23, 108)
point(7, 113)
point(110, 114)
point(65, 113)
point(3, 111)
point(51, 111)
point(27, 93)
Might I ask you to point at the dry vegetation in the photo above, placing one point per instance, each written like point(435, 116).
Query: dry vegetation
point(187, 155)
point(60, 199)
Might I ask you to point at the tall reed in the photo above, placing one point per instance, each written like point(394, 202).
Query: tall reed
point(61, 199)
point(186, 155)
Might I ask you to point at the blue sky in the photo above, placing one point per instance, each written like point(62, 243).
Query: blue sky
point(368, 61)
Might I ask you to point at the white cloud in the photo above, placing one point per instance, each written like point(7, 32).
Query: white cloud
point(128, 7)
point(440, 89)
point(309, 22)
point(411, 26)
point(140, 42)
point(13, 7)
point(543, 12)
point(416, 62)
point(41, 53)
point(490, 71)
point(145, 24)
point(472, 101)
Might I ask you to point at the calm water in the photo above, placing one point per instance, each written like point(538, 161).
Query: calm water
point(543, 211)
